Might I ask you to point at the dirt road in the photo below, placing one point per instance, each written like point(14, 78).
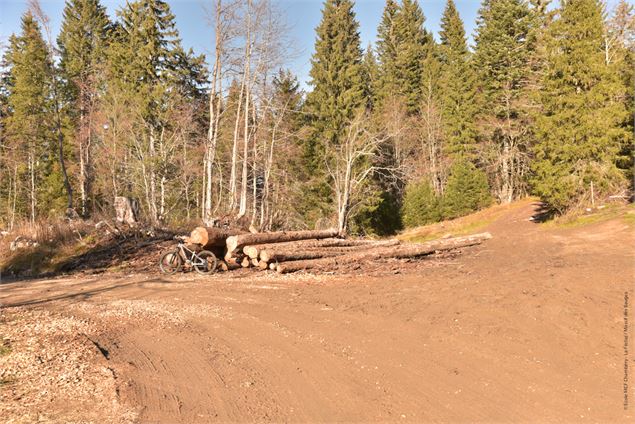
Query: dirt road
point(526, 328)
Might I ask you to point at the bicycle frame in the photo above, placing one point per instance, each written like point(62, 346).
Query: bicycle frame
point(193, 259)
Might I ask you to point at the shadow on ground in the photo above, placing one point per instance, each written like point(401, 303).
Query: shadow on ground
point(79, 295)
point(130, 252)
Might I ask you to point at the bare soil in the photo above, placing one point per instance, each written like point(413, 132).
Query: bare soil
point(528, 327)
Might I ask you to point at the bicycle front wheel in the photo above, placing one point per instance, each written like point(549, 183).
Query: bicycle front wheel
point(171, 262)
point(206, 262)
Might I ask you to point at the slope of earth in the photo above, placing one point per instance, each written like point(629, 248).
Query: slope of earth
point(528, 327)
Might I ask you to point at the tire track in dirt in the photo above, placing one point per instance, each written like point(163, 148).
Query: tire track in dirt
point(526, 328)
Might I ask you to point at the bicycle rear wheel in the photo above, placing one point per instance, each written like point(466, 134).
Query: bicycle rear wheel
point(171, 262)
point(206, 262)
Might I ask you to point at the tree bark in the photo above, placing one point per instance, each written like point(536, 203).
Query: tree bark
point(403, 251)
point(277, 254)
point(211, 237)
point(234, 243)
point(253, 251)
point(294, 255)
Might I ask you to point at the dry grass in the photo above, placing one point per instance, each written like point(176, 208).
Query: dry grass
point(460, 226)
point(55, 239)
point(606, 212)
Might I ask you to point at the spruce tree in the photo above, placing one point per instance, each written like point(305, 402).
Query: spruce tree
point(580, 127)
point(336, 77)
point(412, 43)
point(339, 94)
point(467, 190)
point(620, 55)
point(421, 205)
point(387, 45)
point(372, 84)
point(82, 43)
point(458, 86)
point(29, 122)
point(504, 46)
point(149, 72)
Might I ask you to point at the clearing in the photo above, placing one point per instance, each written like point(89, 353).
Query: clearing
point(528, 327)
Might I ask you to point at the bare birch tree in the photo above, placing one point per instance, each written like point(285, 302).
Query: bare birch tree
point(351, 163)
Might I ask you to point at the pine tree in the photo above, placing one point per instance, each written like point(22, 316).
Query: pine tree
point(412, 43)
point(503, 50)
point(458, 86)
point(82, 43)
point(580, 128)
point(29, 123)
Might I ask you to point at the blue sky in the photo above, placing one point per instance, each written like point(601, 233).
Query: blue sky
point(302, 15)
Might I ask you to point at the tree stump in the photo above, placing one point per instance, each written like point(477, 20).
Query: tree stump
point(127, 210)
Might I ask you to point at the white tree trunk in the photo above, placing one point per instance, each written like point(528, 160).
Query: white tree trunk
point(242, 209)
point(214, 115)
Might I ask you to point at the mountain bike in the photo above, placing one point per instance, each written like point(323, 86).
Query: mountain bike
point(203, 262)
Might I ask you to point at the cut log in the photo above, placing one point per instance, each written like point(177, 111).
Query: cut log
point(234, 263)
point(234, 243)
point(401, 251)
point(227, 266)
point(253, 251)
point(263, 265)
point(271, 255)
point(254, 262)
point(273, 266)
point(246, 262)
point(211, 237)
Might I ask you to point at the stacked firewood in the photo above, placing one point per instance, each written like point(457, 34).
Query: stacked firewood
point(291, 251)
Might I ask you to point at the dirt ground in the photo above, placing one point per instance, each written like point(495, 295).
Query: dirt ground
point(528, 327)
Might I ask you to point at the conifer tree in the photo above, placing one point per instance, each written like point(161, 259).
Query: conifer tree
point(82, 43)
point(412, 43)
point(29, 123)
point(336, 75)
point(467, 190)
point(431, 120)
point(387, 52)
point(504, 47)
point(149, 71)
point(580, 128)
point(339, 93)
point(421, 205)
point(372, 83)
point(619, 47)
point(458, 86)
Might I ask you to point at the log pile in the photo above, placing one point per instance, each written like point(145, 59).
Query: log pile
point(291, 251)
